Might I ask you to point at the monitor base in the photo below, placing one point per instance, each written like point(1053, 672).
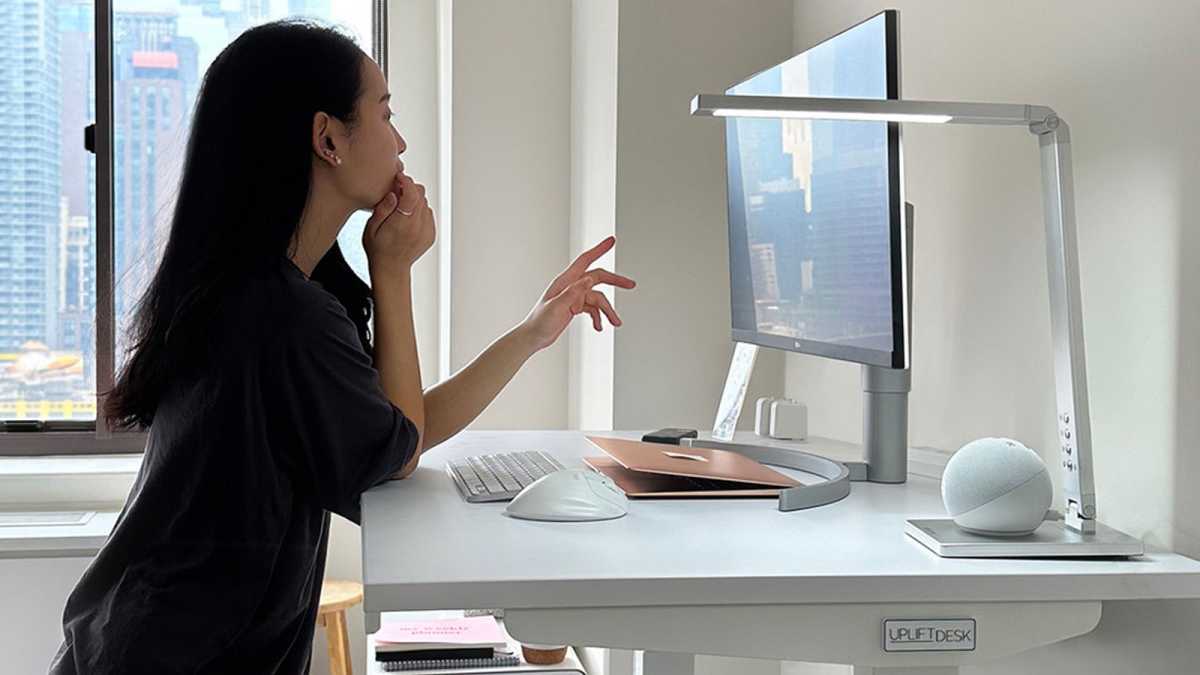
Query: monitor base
point(834, 474)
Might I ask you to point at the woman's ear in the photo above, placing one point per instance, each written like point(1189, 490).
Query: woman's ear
point(322, 139)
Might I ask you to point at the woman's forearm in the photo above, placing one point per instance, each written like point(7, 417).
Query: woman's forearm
point(452, 405)
point(396, 349)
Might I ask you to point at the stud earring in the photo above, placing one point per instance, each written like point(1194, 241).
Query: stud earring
point(336, 160)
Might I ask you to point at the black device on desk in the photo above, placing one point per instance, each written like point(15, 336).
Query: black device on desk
point(669, 435)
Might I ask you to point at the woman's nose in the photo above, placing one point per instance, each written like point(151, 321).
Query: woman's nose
point(401, 146)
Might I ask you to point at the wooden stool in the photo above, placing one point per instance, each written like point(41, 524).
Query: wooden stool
point(336, 596)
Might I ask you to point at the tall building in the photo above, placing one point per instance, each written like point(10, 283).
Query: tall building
point(153, 71)
point(149, 123)
point(76, 287)
point(77, 227)
point(766, 280)
point(29, 171)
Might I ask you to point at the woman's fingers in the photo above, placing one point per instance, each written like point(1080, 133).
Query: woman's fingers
point(383, 208)
point(597, 299)
point(595, 316)
point(411, 194)
point(575, 295)
point(603, 276)
point(590, 256)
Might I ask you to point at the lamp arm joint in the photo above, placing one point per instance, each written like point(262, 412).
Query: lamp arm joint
point(1044, 120)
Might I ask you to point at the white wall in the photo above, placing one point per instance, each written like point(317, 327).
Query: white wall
point(511, 191)
point(1124, 77)
point(673, 352)
point(34, 592)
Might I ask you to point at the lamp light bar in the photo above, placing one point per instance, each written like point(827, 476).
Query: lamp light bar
point(829, 115)
point(868, 109)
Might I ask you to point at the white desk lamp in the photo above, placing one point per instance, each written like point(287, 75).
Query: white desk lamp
point(1066, 322)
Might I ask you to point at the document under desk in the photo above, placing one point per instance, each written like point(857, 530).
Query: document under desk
point(731, 577)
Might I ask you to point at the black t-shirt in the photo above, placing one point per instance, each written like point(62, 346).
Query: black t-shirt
point(216, 561)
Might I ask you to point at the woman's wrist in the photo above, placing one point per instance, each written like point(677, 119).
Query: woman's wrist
point(525, 338)
point(389, 273)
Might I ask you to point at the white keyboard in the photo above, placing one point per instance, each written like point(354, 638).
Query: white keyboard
point(499, 477)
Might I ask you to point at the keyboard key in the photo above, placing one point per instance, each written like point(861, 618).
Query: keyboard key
point(469, 479)
point(508, 482)
point(486, 475)
point(518, 472)
point(533, 470)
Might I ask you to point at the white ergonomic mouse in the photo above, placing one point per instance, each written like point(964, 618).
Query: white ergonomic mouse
point(570, 495)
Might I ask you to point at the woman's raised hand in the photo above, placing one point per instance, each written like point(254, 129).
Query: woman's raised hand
point(572, 293)
point(401, 227)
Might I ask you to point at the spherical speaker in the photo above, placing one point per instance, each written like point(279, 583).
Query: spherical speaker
point(998, 487)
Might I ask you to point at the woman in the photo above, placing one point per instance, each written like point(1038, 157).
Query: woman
point(268, 403)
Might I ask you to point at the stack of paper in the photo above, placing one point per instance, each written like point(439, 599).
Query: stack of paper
point(476, 637)
point(406, 645)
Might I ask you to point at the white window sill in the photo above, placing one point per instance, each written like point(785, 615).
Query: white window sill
point(57, 541)
point(97, 483)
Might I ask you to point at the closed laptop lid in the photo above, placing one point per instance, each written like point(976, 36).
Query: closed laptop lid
point(678, 460)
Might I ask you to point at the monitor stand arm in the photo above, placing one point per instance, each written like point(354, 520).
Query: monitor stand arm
point(885, 423)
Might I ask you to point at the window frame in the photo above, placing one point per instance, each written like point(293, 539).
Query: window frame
point(67, 437)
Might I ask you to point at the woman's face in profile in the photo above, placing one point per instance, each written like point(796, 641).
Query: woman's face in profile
point(370, 165)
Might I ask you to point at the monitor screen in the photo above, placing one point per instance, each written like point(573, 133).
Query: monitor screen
point(815, 217)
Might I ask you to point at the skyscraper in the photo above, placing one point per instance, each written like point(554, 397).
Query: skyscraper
point(149, 139)
point(29, 172)
point(76, 246)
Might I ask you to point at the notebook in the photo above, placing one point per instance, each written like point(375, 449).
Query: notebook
point(510, 661)
point(661, 470)
point(466, 632)
point(505, 661)
point(476, 637)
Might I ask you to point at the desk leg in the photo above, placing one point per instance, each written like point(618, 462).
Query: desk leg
point(913, 670)
point(666, 663)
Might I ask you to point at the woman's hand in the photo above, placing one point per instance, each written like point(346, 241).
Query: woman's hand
point(571, 293)
point(401, 227)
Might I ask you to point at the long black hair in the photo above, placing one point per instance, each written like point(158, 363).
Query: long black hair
point(242, 191)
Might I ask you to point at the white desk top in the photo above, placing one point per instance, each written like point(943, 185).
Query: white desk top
point(424, 547)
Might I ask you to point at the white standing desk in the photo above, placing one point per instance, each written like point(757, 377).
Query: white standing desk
point(726, 577)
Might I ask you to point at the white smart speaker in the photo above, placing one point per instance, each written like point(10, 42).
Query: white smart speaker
point(997, 487)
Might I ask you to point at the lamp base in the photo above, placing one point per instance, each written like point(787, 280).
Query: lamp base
point(1052, 539)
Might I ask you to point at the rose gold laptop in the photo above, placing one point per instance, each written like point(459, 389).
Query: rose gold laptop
point(661, 470)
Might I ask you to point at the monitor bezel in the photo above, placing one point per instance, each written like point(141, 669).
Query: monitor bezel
point(898, 356)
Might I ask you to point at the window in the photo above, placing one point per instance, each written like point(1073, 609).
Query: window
point(58, 345)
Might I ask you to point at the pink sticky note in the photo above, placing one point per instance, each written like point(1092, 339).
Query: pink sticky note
point(468, 630)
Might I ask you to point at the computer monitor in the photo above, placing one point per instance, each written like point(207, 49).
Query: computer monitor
point(816, 208)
